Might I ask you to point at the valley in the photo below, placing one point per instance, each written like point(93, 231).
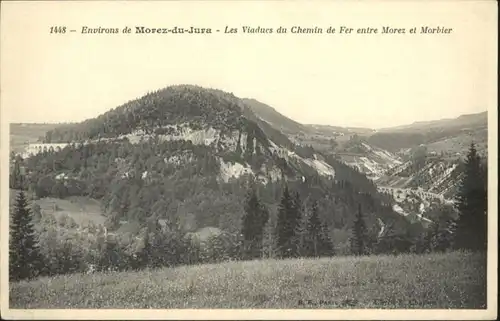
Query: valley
point(421, 160)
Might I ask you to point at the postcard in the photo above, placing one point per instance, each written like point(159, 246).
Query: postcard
point(244, 160)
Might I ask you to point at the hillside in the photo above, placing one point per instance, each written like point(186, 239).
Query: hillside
point(435, 175)
point(324, 138)
point(464, 121)
point(372, 161)
point(274, 118)
point(347, 144)
point(188, 154)
point(438, 281)
point(448, 136)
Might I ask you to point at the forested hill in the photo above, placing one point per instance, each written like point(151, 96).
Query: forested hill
point(188, 155)
point(170, 106)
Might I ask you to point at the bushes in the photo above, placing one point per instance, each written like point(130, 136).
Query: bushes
point(219, 248)
point(65, 248)
point(66, 221)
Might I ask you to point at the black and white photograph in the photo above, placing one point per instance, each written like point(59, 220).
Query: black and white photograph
point(249, 159)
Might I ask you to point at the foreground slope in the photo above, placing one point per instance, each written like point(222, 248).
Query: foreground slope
point(451, 280)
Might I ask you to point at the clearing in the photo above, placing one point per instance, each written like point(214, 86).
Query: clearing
point(23, 134)
point(81, 209)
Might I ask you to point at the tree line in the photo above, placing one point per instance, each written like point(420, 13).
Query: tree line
point(47, 251)
point(298, 232)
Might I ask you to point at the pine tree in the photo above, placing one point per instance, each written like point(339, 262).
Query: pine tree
point(15, 173)
point(269, 239)
point(440, 240)
point(254, 221)
point(471, 201)
point(439, 236)
point(312, 245)
point(24, 256)
point(358, 239)
point(421, 244)
point(314, 242)
point(317, 240)
point(326, 245)
point(285, 227)
point(302, 235)
point(295, 221)
point(37, 212)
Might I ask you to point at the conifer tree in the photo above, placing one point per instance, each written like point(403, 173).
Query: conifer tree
point(15, 173)
point(302, 235)
point(439, 237)
point(471, 202)
point(269, 238)
point(37, 213)
point(420, 244)
point(317, 240)
point(254, 221)
point(312, 243)
point(326, 245)
point(285, 227)
point(439, 241)
point(295, 221)
point(358, 239)
point(24, 256)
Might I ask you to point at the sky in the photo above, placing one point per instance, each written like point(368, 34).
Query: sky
point(353, 79)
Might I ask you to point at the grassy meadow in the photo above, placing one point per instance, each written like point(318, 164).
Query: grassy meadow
point(23, 134)
point(451, 280)
point(81, 209)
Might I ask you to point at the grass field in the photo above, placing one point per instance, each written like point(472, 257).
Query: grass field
point(81, 209)
point(452, 280)
point(23, 134)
